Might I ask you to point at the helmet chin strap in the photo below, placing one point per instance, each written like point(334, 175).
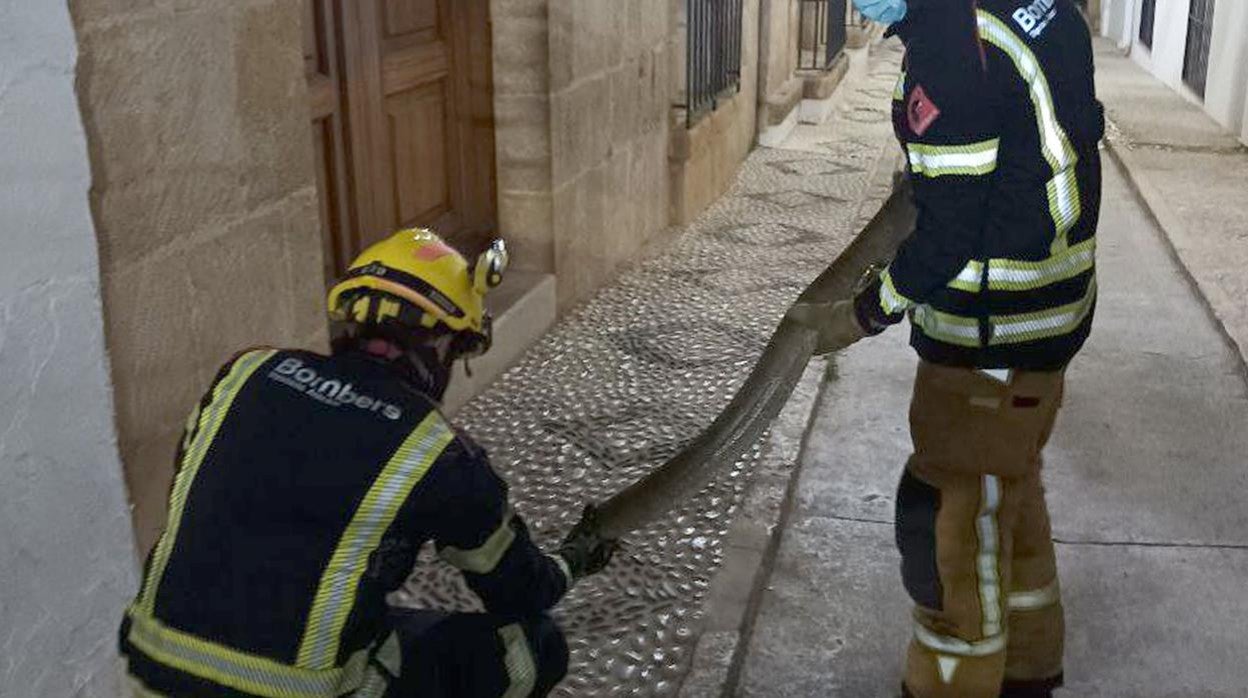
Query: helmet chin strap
point(430, 373)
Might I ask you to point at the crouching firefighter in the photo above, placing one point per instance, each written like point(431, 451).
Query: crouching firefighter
point(305, 486)
point(997, 114)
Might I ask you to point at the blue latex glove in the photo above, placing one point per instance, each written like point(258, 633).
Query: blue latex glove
point(882, 11)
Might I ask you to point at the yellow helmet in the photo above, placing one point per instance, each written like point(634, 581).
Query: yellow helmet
point(415, 280)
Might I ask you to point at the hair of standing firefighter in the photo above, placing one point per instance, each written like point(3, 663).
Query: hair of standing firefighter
point(413, 283)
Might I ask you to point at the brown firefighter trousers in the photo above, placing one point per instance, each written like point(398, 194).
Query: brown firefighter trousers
point(973, 530)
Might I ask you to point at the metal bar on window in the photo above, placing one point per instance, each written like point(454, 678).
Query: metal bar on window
point(713, 55)
point(821, 33)
point(1199, 39)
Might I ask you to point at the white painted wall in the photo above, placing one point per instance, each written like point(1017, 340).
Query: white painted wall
point(1118, 20)
point(1165, 59)
point(1226, 94)
point(67, 561)
point(1228, 64)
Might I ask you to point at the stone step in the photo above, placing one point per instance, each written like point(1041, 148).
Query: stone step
point(523, 308)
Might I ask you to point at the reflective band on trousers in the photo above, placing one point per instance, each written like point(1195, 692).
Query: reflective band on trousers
point(238, 670)
point(375, 684)
point(485, 557)
point(1063, 189)
point(986, 561)
point(335, 596)
point(386, 665)
point(562, 564)
point(207, 426)
point(521, 671)
point(972, 159)
point(1035, 599)
point(1020, 275)
point(953, 645)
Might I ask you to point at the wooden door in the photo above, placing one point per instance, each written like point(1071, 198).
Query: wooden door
point(329, 136)
point(412, 123)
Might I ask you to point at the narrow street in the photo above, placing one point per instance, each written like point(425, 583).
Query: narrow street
point(1146, 475)
point(621, 203)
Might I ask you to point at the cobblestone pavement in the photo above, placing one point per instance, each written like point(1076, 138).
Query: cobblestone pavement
point(634, 374)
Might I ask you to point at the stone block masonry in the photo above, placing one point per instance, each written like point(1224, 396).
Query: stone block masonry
point(204, 201)
point(582, 96)
point(705, 158)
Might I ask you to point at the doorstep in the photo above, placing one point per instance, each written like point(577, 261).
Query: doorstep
point(524, 309)
point(819, 89)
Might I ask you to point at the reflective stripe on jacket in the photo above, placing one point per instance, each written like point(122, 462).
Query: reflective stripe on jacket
point(1000, 125)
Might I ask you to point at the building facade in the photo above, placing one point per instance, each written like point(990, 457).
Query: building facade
point(242, 153)
point(67, 561)
point(193, 174)
point(1197, 47)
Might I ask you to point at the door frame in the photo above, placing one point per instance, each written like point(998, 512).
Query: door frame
point(348, 86)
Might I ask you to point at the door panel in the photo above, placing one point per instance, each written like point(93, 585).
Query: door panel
point(409, 16)
point(418, 134)
point(473, 76)
point(403, 119)
point(423, 109)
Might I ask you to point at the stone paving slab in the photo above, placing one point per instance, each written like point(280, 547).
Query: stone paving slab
point(634, 374)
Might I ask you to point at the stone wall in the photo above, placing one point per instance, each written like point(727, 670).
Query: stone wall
point(705, 158)
point(582, 96)
point(610, 99)
point(778, 88)
point(205, 204)
point(67, 562)
point(522, 130)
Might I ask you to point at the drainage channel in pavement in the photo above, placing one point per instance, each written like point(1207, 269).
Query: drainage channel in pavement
point(634, 374)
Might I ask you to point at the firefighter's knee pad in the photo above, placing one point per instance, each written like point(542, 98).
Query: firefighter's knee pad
point(916, 509)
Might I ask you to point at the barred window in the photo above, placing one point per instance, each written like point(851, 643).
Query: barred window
point(1199, 40)
point(822, 32)
point(1148, 14)
point(713, 54)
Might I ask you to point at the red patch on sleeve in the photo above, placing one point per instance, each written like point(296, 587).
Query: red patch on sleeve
point(922, 111)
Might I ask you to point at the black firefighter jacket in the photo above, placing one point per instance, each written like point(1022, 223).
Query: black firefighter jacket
point(306, 485)
point(997, 114)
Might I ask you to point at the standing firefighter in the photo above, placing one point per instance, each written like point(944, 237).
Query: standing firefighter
point(998, 117)
point(306, 484)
